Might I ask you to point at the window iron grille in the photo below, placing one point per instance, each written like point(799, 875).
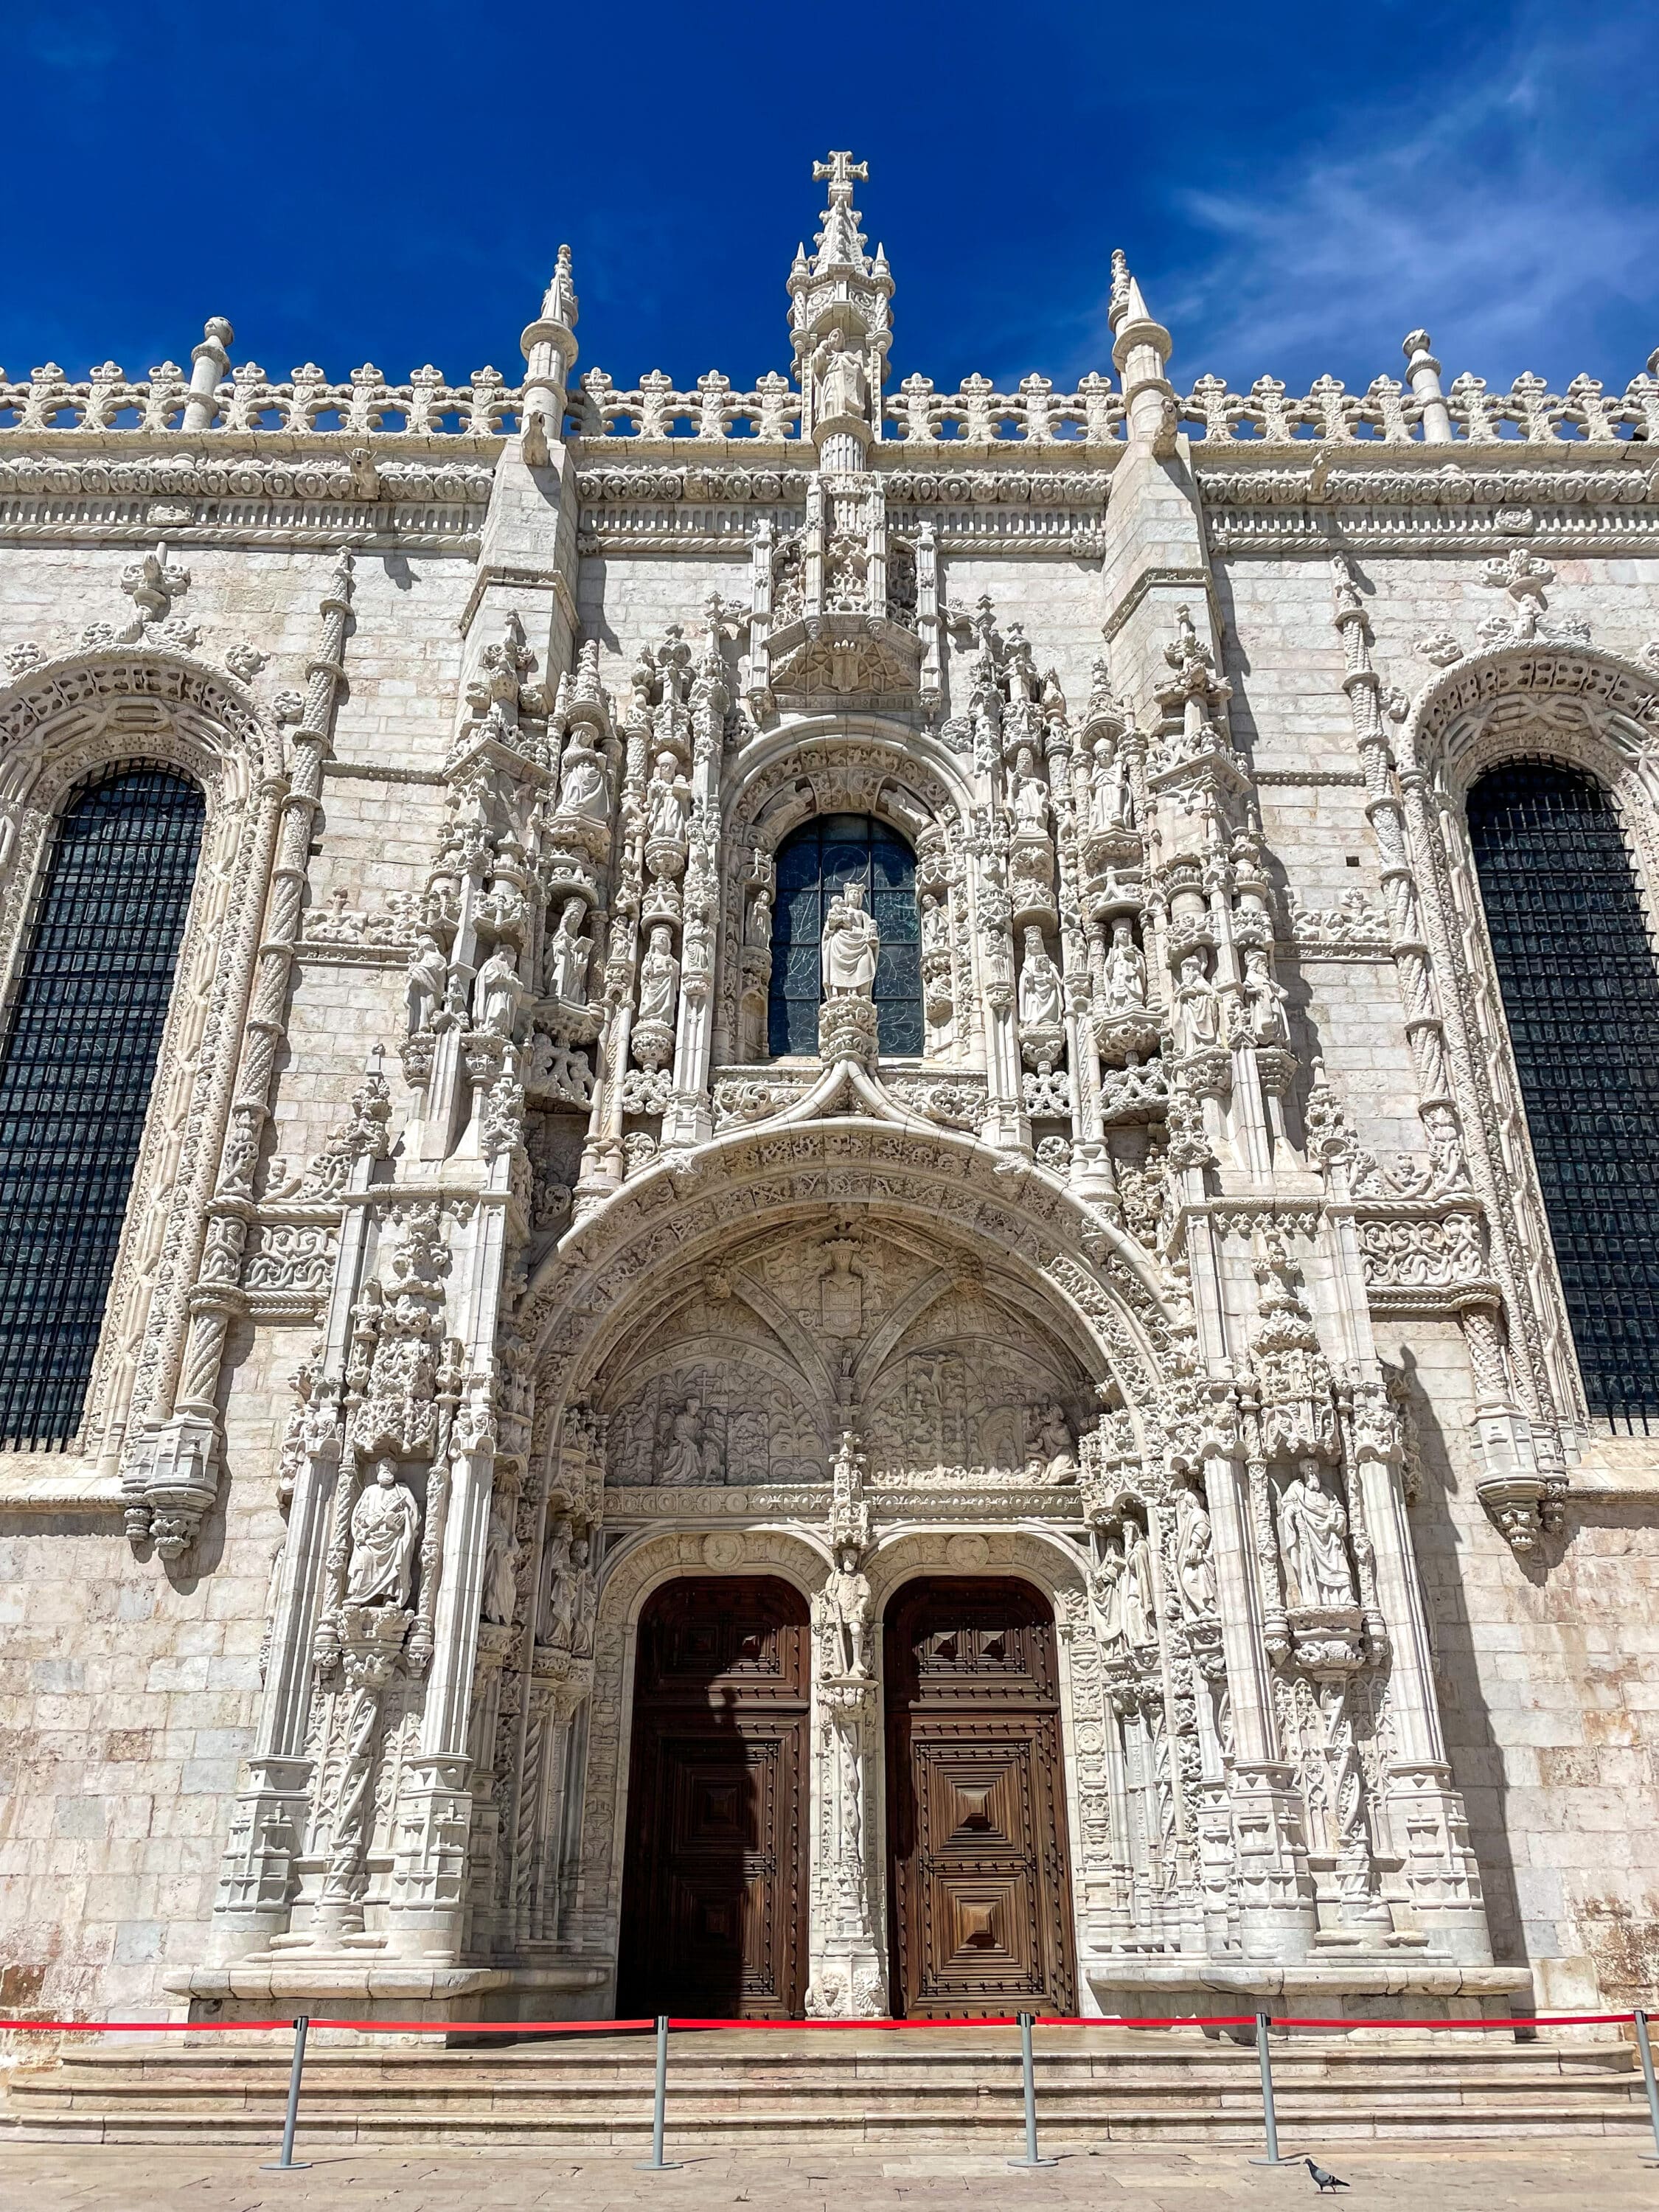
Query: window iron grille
point(75, 1070)
point(814, 863)
point(1576, 967)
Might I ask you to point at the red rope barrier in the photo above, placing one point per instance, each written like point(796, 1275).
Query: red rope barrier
point(491, 2027)
point(140, 2027)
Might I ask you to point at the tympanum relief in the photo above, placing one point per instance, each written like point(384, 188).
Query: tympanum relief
point(750, 1374)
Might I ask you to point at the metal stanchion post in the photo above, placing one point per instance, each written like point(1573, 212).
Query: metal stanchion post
point(1029, 2073)
point(287, 2163)
point(1646, 2050)
point(657, 2163)
point(1270, 2118)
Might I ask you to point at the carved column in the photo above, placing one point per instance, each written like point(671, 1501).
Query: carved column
point(268, 1822)
point(178, 1469)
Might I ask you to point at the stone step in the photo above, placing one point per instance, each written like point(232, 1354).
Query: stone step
point(1093, 2085)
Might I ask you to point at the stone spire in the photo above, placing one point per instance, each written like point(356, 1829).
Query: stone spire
point(840, 325)
point(1141, 354)
point(549, 345)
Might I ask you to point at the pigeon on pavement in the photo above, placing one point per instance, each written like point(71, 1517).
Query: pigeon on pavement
point(1324, 2179)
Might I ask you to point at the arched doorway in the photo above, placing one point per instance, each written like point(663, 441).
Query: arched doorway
point(713, 1881)
point(979, 1879)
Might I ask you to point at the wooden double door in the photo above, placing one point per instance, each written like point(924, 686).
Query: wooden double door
point(979, 1889)
point(715, 1876)
point(715, 1887)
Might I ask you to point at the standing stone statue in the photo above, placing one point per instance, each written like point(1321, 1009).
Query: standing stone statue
point(429, 980)
point(568, 955)
point(659, 978)
point(500, 1590)
point(559, 1610)
point(581, 782)
point(1126, 971)
point(1138, 1614)
point(851, 942)
point(384, 1524)
point(1313, 1528)
point(497, 993)
point(1199, 1011)
point(1041, 996)
point(844, 1618)
point(1195, 1554)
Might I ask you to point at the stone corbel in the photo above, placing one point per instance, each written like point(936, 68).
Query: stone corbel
point(1525, 1500)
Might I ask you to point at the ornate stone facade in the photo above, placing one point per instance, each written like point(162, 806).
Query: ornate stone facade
point(484, 1270)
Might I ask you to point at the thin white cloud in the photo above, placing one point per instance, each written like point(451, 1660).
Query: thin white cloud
point(1507, 207)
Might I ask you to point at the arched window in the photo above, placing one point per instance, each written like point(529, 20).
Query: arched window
point(76, 1070)
point(1581, 995)
point(814, 862)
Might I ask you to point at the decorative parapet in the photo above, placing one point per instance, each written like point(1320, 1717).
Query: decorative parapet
point(428, 406)
point(713, 411)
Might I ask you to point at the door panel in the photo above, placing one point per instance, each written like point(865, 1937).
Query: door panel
point(979, 1897)
point(712, 1893)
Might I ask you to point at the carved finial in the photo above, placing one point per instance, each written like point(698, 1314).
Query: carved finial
point(1126, 307)
point(559, 300)
point(841, 242)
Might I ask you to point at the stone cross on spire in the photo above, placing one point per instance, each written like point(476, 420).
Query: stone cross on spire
point(841, 169)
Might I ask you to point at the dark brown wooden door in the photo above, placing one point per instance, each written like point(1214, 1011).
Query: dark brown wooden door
point(980, 1899)
point(714, 1890)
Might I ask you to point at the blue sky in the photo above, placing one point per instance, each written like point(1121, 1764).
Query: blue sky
point(1296, 188)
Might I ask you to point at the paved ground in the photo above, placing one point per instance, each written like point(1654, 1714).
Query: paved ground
point(1606, 2176)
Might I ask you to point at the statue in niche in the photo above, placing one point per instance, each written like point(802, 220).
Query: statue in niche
point(935, 928)
point(843, 388)
point(1041, 998)
point(568, 955)
point(1106, 1586)
point(757, 931)
point(1111, 807)
point(581, 781)
point(667, 801)
point(1313, 1528)
point(1029, 793)
point(851, 942)
point(660, 977)
point(429, 981)
point(1139, 1617)
point(559, 1611)
point(497, 993)
point(842, 1619)
point(693, 1453)
point(1267, 998)
point(585, 1610)
point(501, 1591)
point(1195, 1554)
point(384, 1524)
point(1196, 1000)
point(1124, 975)
point(1051, 1441)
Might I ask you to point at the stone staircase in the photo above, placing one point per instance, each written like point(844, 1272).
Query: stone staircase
point(725, 2086)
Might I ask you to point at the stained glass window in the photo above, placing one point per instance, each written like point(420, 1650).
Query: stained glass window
point(78, 1058)
point(814, 863)
point(1581, 995)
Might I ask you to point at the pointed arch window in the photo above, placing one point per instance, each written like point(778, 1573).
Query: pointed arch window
point(1581, 995)
point(76, 1064)
point(814, 863)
